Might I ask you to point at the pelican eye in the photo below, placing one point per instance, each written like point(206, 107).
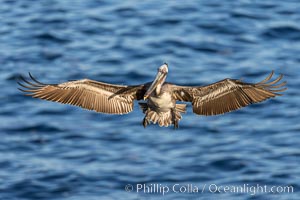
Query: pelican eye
point(162, 71)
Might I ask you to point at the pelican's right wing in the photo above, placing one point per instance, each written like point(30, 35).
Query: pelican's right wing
point(227, 95)
point(88, 94)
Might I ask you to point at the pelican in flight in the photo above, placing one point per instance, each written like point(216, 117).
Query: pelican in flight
point(159, 97)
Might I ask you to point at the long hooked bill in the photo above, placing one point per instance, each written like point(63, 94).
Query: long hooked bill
point(158, 80)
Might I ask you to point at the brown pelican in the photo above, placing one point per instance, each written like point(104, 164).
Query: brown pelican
point(160, 98)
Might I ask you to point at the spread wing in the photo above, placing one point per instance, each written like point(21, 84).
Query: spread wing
point(228, 95)
point(88, 94)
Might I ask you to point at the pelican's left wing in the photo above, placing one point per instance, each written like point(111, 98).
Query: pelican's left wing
point(227, 95)
point(88, 94)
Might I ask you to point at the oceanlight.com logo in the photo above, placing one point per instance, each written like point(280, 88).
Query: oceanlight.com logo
point(163, 189)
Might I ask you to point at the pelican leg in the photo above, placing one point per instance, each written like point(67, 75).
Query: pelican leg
point(174, 118)
point(176, 124)
point(146, 110)
point(144, 107)
point(146, 122)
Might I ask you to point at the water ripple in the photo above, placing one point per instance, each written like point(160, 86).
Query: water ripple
point(288, 32)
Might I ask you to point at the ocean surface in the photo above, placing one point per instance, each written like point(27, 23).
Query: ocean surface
point(53, 151)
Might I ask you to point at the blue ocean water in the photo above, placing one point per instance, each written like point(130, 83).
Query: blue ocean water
point(54, 151)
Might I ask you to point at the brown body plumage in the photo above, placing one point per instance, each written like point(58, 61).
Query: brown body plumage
point(161, 97)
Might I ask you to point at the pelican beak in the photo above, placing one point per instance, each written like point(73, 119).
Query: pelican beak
point(159, 80)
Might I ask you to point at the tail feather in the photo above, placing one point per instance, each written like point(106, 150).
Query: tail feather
point(181, 108)
point(163, 118)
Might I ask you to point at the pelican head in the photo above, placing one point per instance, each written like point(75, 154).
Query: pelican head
point(159, 80)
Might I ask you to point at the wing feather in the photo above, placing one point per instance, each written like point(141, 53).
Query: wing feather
point(228, 95)
point(88, 94)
